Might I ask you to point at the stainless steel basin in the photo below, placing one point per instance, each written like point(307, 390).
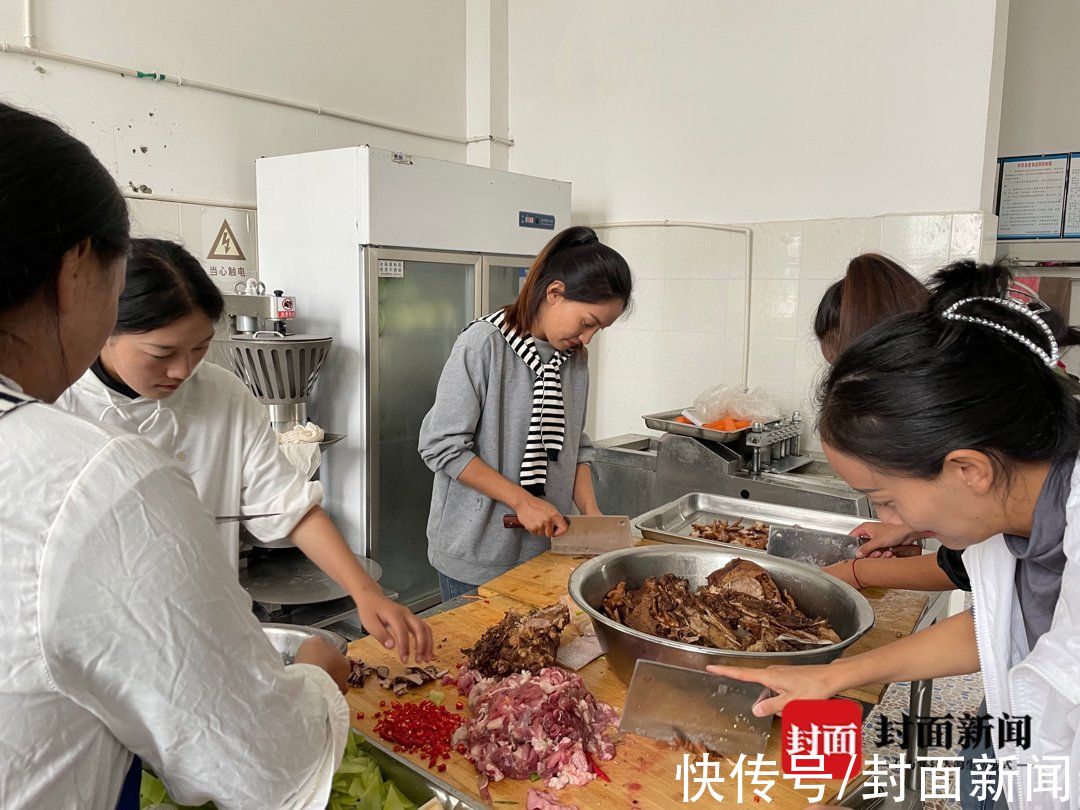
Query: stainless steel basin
point(815, 593)
point(287, 638)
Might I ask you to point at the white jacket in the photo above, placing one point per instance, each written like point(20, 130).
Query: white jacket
point(1045, 682)
point(221, 436)
point(124, 629)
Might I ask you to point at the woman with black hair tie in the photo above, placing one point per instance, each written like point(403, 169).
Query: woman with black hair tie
point(954, 421)
point(150, 379)
point(507, 430)
point(875, 565)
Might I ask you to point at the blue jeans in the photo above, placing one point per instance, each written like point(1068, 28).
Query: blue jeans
point(453, 588)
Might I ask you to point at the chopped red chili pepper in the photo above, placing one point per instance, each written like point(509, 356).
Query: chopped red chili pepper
point(599, 773)
point(420, 728)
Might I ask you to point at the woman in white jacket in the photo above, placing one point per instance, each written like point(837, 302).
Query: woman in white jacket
point(150, 379)
point(124, 628)
point(954, 421)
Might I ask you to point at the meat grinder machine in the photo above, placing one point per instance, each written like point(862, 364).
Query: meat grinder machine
point(281, 369)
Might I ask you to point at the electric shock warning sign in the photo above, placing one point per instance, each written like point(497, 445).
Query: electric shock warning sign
point(226, 240)
point(225, 244)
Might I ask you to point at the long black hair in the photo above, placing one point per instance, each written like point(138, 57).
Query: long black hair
point(920, 386)
point(590, 271)
point(164, 283)
point(53, 194)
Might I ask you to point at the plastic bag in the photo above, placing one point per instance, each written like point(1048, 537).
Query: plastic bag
point(755, 405)
point(714, 404)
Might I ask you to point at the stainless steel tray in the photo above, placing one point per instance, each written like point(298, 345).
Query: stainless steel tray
point(666, 422)
point(418, 785)
point(671, 523)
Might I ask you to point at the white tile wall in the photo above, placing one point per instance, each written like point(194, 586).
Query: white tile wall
point(686, 330)
point(686, 324)
point(772, 306)
point(777, 249)
point(831, 243)
point(920, 243)
point(784, 355)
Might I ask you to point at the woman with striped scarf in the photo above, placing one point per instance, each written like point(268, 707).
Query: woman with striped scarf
point(506, 431)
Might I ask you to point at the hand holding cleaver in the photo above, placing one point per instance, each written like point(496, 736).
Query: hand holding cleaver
point(588, 534)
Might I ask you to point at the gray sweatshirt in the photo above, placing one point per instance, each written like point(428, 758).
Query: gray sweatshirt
point(482, 408)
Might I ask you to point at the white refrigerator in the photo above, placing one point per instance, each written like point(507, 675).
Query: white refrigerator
point(393, 255)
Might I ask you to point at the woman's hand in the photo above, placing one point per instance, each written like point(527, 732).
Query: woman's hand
point(805, 682)
point(394, 626)
point(883, 537)
point(321, 653)
point(539, 517)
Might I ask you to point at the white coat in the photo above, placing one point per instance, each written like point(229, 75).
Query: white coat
point(1045, 681)
point(221, 436)
point(125, 630)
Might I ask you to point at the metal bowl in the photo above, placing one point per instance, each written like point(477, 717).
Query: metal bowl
point(287, 638)
point(815, 593)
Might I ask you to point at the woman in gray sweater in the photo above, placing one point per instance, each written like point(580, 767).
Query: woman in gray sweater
point(507, 430)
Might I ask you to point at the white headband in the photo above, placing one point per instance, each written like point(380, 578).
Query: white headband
point(1049, 358)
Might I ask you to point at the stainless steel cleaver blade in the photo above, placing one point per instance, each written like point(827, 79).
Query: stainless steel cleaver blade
point(240, 518)
point(811, 546)
point(696, 709)
point(588, 534)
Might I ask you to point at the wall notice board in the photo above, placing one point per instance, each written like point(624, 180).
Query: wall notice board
point(1038, 196)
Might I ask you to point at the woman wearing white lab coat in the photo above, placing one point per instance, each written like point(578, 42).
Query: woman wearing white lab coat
point(150, 379)
point(954, 421)
point(124, 629)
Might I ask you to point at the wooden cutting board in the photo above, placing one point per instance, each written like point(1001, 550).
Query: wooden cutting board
point(542, 581)
point(642, 773)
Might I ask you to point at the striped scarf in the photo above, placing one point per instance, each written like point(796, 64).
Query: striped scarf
point(547, 424)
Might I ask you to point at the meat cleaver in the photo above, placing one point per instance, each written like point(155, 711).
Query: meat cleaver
point(819, 548)
point(588, 534)
point(695, 709)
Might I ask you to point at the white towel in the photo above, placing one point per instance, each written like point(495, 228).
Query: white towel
point(301, 447)
point(302, 434)
point(305, 457)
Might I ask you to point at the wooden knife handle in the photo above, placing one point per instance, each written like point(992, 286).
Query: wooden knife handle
point(905, 550)
point(512, 522)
